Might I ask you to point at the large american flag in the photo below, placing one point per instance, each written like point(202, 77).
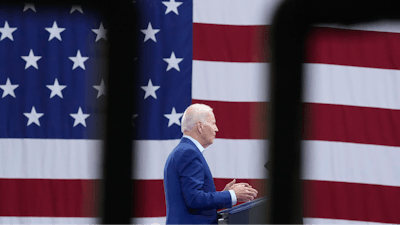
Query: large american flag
point(193, 51)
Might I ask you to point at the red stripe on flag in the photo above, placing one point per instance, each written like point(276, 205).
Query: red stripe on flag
point(240, 120)
point(149, 200)
point(351, 201)
point(230, 43)
point(49, 198)
point(248, 120)
point(353, 48)
point(351, 124)
point(80, 198)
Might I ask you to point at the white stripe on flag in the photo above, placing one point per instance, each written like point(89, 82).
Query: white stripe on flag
point(80, 159)
point(50, 158)
point(246, 158)
point(8, 220)
point(350, 85)
point(329, 161)
point(379, 26)
point(248, 161)
point(246, 82)
point(234, 12)
point(48, 220)
point(149, 220)
point(337, 221)
point(151, 157)
point(349, 162)
point(232, 82)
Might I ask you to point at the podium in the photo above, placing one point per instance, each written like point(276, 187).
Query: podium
point(253, 212)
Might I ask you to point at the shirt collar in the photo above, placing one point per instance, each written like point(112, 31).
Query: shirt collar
point(198, 145)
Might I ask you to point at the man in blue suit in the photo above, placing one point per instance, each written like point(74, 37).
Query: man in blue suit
point(189, 187)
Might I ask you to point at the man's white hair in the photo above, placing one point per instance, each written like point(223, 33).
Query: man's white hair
point(196, 112)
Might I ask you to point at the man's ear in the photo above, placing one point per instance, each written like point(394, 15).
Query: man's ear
point(199, 126)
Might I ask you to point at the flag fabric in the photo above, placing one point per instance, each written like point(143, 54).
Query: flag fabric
point(200, 51)
point(350, 105)
point(350, 138)
point(52, 95)
point(191, 58)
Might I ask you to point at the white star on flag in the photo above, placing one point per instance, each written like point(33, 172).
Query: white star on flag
point(172, 6)
point(29, 6)
point(101, 88)
point(6, 32)
point(56, 89)
point(79, 117)
point(174, 117)
point(55, 31)
point(78, 60)
point(150, 90)
point(150, 33)
point(76, 7)
point(8, 88)
point(31, 60)
point(173, 62)
point(33, 117)
point(101, 32)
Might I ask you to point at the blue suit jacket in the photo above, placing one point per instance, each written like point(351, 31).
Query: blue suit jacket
point(189, 187)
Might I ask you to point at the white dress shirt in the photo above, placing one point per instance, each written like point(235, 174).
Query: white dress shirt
point(201, 148)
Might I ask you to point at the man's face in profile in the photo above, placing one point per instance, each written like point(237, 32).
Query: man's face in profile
point(210, 129)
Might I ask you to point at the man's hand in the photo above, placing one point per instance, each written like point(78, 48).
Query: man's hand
point(233, 183)
point(244, 193)
point(229, 185)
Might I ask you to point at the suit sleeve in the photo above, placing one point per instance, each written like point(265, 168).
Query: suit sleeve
point(191, 174)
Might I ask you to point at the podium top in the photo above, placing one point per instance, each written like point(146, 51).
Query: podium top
point(244, 206)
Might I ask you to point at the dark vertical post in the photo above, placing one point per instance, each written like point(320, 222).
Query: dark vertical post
point(285, 115)
point(118, 185)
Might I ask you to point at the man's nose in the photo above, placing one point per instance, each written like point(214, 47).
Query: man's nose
point(216, 128)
